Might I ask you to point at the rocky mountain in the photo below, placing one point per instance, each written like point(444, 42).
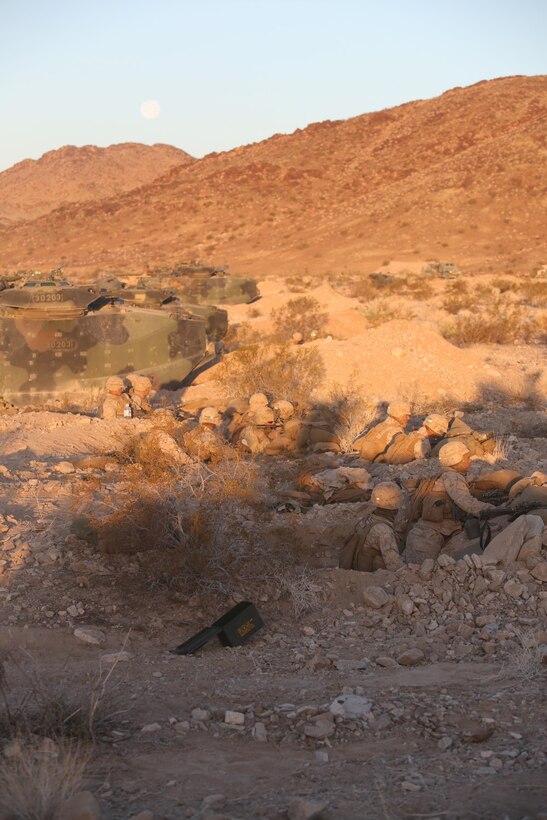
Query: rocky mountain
point(461, 177)
point(33, 188)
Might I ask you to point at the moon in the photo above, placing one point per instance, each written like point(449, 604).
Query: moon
point(150, 109)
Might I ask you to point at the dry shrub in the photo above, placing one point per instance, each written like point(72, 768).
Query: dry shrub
point(32, 705)
point(382, 312)
point(534, 293)
point(455, 303)
point(349, 412)
point(282, 371)
point(302, 315)
point(241, 335)
point(35, 782)
point(504, 324)
point(416, 287)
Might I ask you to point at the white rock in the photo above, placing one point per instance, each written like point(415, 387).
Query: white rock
point(64, 467)
point(152, 727)
point(117, 657)
point(375, 597)
point(300, 809)
point(350, 706)
point(234, 718)
point(89, 634)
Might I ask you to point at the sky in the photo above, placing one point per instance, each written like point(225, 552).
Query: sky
point(224, 73)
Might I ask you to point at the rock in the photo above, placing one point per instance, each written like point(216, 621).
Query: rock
point(405, 604)
point(476, 732)
point(320, 727)
point(445, 561)
point(540, 572)
point(542, 654)
point(375, 597)
point(152, 727)
point(82, 806)
point(513, 588)
point(143, 815)
point(64, 467)
point(200, 714)
point(116, 657)
point(411, 657)
point(350, 707)
point(301, 809)
point(234, 718)
point(321, 756)
point(90, 635)
point(260, 733)
point(426, 568)
point(386, 662)
point(445, 743)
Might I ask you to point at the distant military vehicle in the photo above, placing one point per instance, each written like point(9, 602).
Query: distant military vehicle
point(445, 270)
point(205, 285)
point(61, 340)
point(216, 319)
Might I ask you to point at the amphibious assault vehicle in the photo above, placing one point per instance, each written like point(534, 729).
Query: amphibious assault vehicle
point(216, 319)
point(204, 285)
point(60, 340)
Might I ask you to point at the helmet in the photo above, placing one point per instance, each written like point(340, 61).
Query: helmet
point(258, 400)
point(437, 423)
point(452, 453)
point(284, 408)
point(115, 383)
point(210, 415)
point(142, 383)
point(398, 409)
point(387, 495)
point(264, 415)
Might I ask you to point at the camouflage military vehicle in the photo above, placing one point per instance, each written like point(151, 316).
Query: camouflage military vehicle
point(60, 340)
point(445, 270)
point(203, 285)
point(216, 319)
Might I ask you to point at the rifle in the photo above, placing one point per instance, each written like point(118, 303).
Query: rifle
point(479, 526)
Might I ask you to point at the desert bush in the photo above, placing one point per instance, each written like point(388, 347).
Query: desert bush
point(297, 284)
point(348, 412)
point(534, 293)
point(416, 287)
point(504, 285)
point(504, 324)
point(303, 315)
point(241, 335)
point(383, 312)
point(454, 303)
point(457, 286)
point(35, 781)
point(282, 371)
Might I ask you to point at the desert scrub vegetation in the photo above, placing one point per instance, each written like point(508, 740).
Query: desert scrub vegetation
point(209, 530)
point(300, 315)
point(282, 371)
point(499, 324)
point(348, 411)
point(382, 312)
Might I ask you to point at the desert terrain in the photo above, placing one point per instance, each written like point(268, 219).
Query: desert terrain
point(399, 256)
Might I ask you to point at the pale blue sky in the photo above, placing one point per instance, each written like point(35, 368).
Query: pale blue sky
point(230, 72)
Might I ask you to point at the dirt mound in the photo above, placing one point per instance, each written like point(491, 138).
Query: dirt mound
point(458, 177)
point(33, 188)
point(405, 359)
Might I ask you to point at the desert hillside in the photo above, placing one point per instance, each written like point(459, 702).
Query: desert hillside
point(33, 188)
point(461, 177)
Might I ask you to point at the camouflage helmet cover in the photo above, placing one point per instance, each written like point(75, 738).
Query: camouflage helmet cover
point(452, 453)
point(387, 495)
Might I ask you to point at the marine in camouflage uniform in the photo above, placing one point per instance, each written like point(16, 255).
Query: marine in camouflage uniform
point(139, 395)
point(115, 400)
point(439, 505)
point(388, 443)
point(478, 444)
point(205, 440)
point(374, 543)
